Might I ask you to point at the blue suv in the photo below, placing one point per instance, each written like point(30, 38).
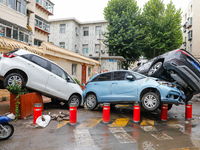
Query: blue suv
point(128, 87)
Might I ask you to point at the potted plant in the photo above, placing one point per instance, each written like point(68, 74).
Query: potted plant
point(15, 92)
point(22, 102)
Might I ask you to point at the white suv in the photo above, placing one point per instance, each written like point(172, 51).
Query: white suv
point(39, 74)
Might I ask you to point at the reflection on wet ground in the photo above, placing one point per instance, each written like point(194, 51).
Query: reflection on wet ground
point(121, 133)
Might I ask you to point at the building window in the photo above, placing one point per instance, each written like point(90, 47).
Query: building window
point(2, 30)
point(8, 32)
point(18, 5)
point(190, 48)
point(42, 24)
point(62, 44)
point(76, 31)
point(37, 42)
point(85, 31)
point(98, 30)
point(74, 69)
point(13, 33)
point(62, 28)
point(85, 48)
point(97, 48)
point(190, 35)
point(89, 71)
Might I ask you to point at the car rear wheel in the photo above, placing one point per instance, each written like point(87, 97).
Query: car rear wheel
point(74, 99)
point(150, 101)
point(13, 78)
point(156, 70)
point(91, 101)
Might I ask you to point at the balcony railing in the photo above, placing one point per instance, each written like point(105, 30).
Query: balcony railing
point(46, 4)
point(42, 25)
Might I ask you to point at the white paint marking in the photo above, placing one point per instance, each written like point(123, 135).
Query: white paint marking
point(83, 137)
point(122, 136)
point(148, 128)
point(161, 136)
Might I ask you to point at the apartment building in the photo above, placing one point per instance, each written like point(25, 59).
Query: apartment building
point(24, 24)
point(85, 38)
point(191, 31)
point(25, 20)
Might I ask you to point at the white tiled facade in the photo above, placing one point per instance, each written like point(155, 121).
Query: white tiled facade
point(191, 30)
point(84, 38)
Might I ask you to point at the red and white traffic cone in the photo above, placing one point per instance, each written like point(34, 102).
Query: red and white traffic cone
point(72, 114)
point(136, 112)
point(164, 110)
point(188, 111)
point(106, 112)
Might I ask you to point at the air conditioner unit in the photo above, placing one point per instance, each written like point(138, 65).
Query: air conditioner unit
point(77, 51)
point(102, 51)
point(76, 33)
point(97, 51)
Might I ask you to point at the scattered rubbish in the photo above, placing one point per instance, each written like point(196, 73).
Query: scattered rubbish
point(43, 120)
point(59, 117)
point(11, 116)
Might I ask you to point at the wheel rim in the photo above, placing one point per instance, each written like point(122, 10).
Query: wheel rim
point(150, 101)
point(75, 100)
point(13, 79)
point(5, 134)
point(154, 68)
point(91, 101)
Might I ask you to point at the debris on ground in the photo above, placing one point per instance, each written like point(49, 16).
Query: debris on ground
point(43, 120)
point(59, 117)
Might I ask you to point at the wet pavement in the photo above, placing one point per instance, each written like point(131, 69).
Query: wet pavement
point(90, 132)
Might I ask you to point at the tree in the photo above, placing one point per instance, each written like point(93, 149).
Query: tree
point(124, 34)
point(162, 28)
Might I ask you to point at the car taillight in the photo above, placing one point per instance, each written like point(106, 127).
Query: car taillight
point(183, 52)
point(9, 55)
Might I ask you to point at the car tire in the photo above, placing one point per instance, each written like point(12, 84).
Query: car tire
point(11, 78)
point(156, 69)
point(188, 95)
point(91, 101)
point(150, 101)
point(74, 99)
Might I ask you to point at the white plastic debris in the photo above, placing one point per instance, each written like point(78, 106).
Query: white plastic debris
point(11, 116)
point(43, 120)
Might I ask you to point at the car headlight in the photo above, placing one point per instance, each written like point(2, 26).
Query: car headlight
point(165, 83)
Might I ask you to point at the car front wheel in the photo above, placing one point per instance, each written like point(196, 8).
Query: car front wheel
point(91, 101)
point(150, 101)
point(13, 78)
point(156, 70)
point(74, 99)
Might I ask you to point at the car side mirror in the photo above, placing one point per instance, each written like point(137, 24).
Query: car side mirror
point(130, 78)
point(68, 79)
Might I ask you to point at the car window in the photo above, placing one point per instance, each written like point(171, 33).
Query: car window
point(104, 77)
point(39, 61)
point(138, 76)
point(119, 76)
point(26, 56)
point(58, 71)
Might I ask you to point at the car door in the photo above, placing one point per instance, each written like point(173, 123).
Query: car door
point(122, 88)
point(37, 69)
point(57, 84)
point(102, 87)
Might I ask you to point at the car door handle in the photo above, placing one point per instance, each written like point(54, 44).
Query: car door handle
point(53, 76)
point(31, 65)
point(96, 84)
point(115, 83)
